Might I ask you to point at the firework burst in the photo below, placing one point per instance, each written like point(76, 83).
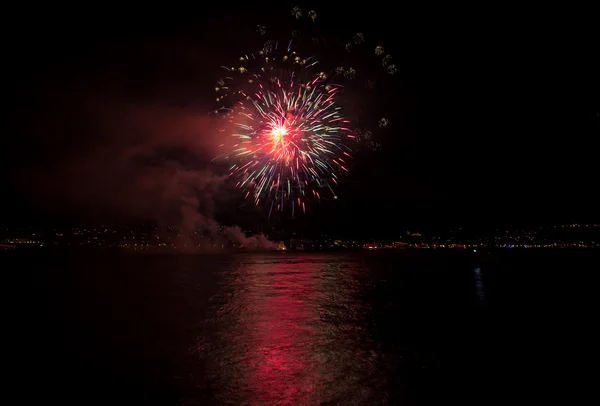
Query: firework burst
point(285, 135)
point(289, 137)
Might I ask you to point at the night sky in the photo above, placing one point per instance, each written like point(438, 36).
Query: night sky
point(493, 115)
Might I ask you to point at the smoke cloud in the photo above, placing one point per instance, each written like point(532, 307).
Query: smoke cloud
point(101, 155)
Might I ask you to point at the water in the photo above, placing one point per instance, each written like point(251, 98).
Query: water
point(335, 329)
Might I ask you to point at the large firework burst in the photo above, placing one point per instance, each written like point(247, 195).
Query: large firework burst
point(285, 134)
point(289, 135)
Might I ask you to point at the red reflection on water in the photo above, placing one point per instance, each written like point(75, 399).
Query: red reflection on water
point(281, 361)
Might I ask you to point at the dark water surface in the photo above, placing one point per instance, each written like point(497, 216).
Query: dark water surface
point(279, 328)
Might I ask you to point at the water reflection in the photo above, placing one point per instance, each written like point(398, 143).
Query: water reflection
point(293, 332)
point(479, 291)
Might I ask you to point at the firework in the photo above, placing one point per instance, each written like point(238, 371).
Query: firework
point(297, 12)
point(350, 73)
point(365, 138)
point(359, 38)
point(289, 135)
point(285, 136)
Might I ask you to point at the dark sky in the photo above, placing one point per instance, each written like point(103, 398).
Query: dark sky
point(493, 119)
